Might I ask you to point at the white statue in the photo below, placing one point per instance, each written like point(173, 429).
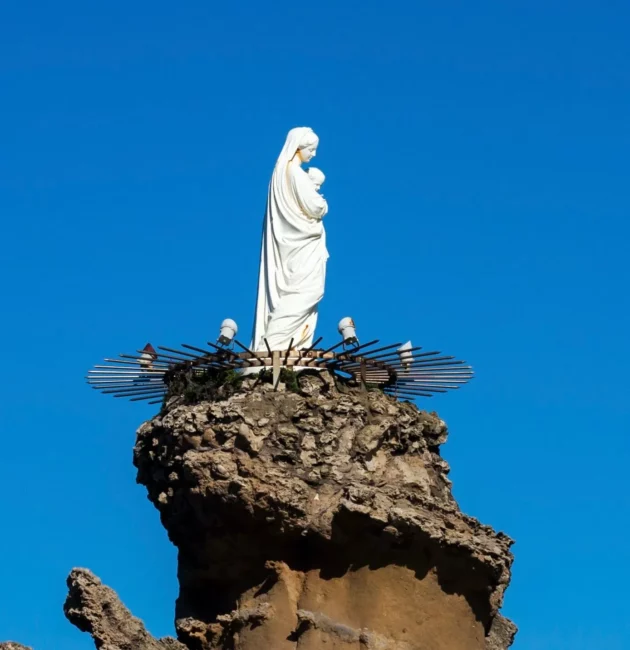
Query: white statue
point(293, 257)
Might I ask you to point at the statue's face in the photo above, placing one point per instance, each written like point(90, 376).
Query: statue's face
point(308, 153)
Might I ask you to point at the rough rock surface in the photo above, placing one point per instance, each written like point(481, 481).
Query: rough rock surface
point(501, 633)
point(96, 609)
point(309, 519)
point(320, 518)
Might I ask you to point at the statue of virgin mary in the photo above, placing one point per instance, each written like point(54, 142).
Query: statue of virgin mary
point(293, 256)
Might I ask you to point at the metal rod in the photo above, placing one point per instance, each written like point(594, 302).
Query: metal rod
point(139, 359)
point(393, 389)
point(227, 351)
point(372, 375)
point(215, 357)
point(125, 371)
point(433, 375)
point(390, 354)
point(140, 399)
point(436, 370)
point(334, 347)
point(184, 354)
point(382, 358)
point(431, 380)
point(253, 355)
point(137, 365)
point(114, 388)
point(415, 389)
point(396, 354)
point(430, 387)
point(441, 364)
point(124, 380)
point(405, 395)
point(152, 363)
point(139, 389)
point(145, 363)
point(387, 347)
point(366, 345)
point(360, 347)
point(209, 358)
point(348, 356)
point(212, 363)
point(131, 397)
point(130, 378)
point(170, 356)
point(192, 347)
point(286, 358)
point(153, 393)
point(304, 352)
point(438, 366)
point(111, 384)
point(268, 348)
point(126, 377)
point(136, 368)
point(452, 372)
point(438, 389)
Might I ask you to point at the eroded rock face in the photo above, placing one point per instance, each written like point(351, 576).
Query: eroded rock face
point(502, 633)
point(96, 609)
point(11, 645)
point(320, 518)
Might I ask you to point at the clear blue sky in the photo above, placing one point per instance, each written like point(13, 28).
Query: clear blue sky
point(477, 163)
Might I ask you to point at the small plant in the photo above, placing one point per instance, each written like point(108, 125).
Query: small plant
point(290, 379)
point(287, 377)
point(192, 385)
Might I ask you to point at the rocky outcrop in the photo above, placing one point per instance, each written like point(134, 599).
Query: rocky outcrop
point(319, 516)
point(96, 609)
point(501, 633)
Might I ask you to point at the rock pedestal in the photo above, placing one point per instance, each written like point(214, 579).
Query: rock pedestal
point(322, 517)
point(313, 516)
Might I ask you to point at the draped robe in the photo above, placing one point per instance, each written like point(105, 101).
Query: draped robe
point(293, 256)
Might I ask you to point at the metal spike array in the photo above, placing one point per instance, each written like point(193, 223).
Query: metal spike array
point(406, 375)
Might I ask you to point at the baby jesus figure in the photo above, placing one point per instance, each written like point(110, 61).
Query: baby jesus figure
point(317, 176)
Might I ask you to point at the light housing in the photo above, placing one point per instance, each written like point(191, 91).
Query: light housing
point(229, 329)
point(406, 357)
point(348, 331)
point(148, 356)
